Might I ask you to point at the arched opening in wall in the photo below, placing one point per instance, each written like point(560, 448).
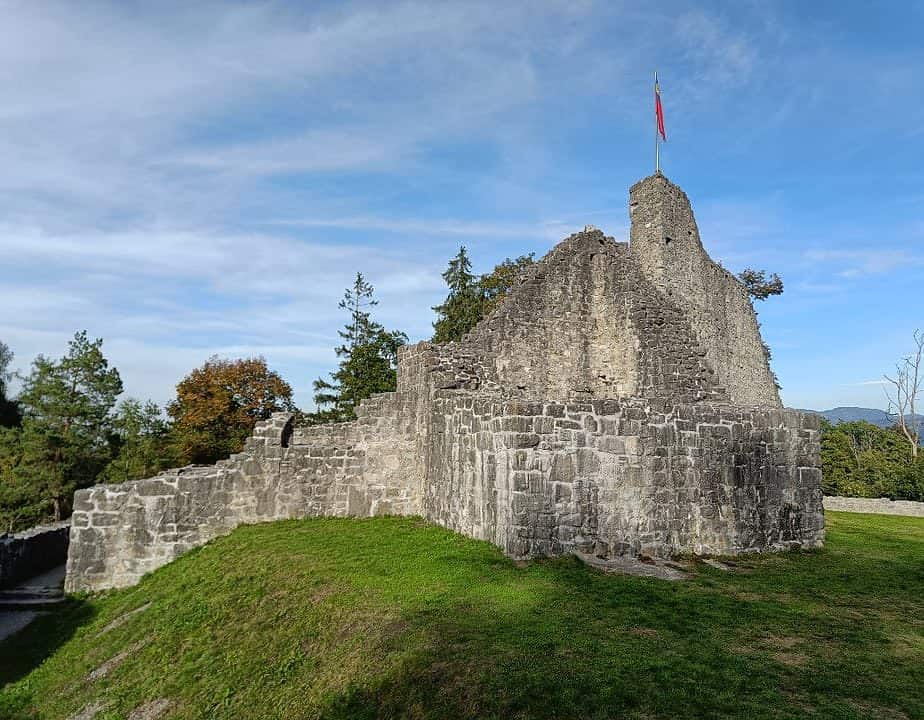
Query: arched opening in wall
point(667, 240)
point(286, 435)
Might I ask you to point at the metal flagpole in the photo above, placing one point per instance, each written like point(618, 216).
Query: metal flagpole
point(657, 143)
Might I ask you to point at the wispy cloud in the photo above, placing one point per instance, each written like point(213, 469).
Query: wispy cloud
point(724, 56)
point(184, 179)
point(861, 262)
point(550, 229)
point(182, 295)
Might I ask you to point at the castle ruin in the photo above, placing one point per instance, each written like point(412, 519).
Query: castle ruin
point(619, 402)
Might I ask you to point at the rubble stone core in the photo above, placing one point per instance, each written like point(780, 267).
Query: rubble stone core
point(618, 402)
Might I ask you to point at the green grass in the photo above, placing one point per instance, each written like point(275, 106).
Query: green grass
point(397, 618)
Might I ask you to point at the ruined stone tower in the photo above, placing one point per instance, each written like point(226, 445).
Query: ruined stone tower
point(665, 240)
point(618, 402)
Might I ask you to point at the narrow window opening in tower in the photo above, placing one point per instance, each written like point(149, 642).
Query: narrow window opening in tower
point(667, 241)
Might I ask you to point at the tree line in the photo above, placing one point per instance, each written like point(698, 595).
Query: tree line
point(859, 459)
point(66, 429)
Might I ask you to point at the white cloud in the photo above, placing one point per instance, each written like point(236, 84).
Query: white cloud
point(724, 56)
point(165, 300)
point(862, 262)
point(108, 109)
point(549, 229)
point(150, 150)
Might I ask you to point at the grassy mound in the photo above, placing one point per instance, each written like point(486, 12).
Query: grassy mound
point(397, 618)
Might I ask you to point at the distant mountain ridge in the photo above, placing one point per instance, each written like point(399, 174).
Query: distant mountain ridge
point(854, 414)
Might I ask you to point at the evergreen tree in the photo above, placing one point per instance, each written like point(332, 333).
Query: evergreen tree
point(10, 416)
point(471, 298)
point(20, 505)
point(463, 306)
point(368, 359)
point(141, 443)
point(63, 442)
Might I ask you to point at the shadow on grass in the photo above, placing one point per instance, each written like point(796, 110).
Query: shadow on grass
point(585, 646)
point(21, 653)
point(580, 646)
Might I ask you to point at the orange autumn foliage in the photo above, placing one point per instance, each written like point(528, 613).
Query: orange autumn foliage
point(218, 405)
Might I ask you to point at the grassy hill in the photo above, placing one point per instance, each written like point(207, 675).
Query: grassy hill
point(397, 618)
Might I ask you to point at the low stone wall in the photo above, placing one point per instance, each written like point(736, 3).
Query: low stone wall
point(621, 477)
point(361, 468)
point(877, 506)
point(624, 477)
point(31, 552)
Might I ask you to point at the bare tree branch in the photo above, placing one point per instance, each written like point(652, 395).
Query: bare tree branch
point(906, 390)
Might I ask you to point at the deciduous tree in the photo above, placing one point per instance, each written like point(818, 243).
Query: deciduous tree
point(758, 285)
point(906, 386)
point(217, 406)
point(860, 459)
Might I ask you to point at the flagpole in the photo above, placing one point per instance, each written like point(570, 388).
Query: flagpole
point(657, 143)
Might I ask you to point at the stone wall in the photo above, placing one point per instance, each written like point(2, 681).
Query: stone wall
point(361, 468)
point(876, 506)
point(618, 402)
point(618, 478)
point(585, 322)
point(31, 552)
point(665, 240)
point(611, 477)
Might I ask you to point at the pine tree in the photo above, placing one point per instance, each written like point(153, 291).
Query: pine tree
point(368, 359)
point(141, 444)
point(66, 425)
point(470, 299)
point(10, 416)
point(758, 285)
point(463, 306)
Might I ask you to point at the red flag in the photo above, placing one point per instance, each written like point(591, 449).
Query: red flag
point(659, 111)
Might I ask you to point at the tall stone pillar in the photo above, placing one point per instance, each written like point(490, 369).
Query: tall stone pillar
point(664, 240)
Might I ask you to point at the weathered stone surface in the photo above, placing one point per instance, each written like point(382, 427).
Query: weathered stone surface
point(90, 711)
point(124, 618)
point(617, 404)
point(666, 242)
point(151, 710)
point(112, 663)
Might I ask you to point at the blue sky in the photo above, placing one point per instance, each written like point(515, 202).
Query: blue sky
point(188, 179)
